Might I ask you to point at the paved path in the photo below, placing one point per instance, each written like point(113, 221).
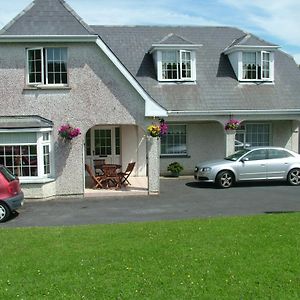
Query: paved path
point(179, 199)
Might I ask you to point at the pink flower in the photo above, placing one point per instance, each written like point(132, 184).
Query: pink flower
point(66, 131)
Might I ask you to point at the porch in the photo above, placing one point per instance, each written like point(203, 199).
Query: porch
point(138, 186)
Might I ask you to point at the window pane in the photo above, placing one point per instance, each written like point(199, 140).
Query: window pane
point(170, 63)
point(57, 65)
point(88, 142)
point(34, 66)
point(50, 78)
point(250, 66)
point(50, 67)
point(175, 140)
point(117, 141)
point(258, 134)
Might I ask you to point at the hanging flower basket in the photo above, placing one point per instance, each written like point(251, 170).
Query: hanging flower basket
point(158, 130)
point(232, 124)
point(68, 132)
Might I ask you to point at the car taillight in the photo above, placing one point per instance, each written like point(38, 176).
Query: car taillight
point(10, 189)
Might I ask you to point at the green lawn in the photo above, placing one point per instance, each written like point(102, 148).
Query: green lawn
point(254, 257)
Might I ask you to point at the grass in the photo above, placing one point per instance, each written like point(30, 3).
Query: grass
point(253, 257)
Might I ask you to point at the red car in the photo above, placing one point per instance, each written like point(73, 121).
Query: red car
point(11, 196)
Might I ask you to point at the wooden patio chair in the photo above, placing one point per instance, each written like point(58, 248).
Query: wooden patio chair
point(124, 175)
point(98, 163)
point(96, 179)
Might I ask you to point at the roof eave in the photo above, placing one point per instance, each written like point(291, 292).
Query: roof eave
point(249, 47)
point(155, 47)
point(47, 38)
point(235, 112)
point(152, 108)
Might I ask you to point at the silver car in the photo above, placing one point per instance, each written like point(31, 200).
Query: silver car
point(251, 164)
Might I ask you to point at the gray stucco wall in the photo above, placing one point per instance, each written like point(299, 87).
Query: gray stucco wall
point(205, 141)
point(97, 94)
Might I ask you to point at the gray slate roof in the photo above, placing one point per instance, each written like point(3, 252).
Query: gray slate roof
point(174, 39)
point(17, 122)
point(217, 87)
point(47, 17)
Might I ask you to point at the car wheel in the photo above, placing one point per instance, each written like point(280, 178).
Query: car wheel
point(225, 179)
point(294, 177)
point(4, 212)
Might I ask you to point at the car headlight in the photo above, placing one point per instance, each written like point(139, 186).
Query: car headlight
point(196, 169)
point(205, 169)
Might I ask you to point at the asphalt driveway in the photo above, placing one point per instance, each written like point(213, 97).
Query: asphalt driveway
point(179, 199)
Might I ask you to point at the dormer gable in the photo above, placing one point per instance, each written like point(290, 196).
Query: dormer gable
point(174, 58)
point(252, 59)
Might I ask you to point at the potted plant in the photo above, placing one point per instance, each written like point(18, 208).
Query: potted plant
point(175, 168)
point(68, 132)
point(232, 124)
point(158, 130)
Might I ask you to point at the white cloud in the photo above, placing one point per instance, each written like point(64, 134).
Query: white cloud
point(277, 18)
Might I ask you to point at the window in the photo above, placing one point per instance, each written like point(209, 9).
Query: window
point(103, 142)
point(47, 66)
point(26, 154)
point(278, 154)
point(174, 143)
point(257, 155)
point(253, 134)
point(177, 65)
point(256, 65)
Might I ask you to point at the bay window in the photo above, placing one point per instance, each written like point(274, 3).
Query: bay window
point(27, 154)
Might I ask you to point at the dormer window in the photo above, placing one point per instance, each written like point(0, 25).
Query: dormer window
point(256, 65)
point(176, 65)
point(252, 59)
point(175, 59)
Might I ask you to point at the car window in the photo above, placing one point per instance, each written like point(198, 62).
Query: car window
point(7, 174)
point(258, 154)
point(276, 153)
point(237, 155)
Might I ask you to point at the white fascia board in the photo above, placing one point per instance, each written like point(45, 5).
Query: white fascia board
point(235, 112)
point(18, 130)
point(152, 108)
point(155, 47)
point(249, 48)
point(47, 38)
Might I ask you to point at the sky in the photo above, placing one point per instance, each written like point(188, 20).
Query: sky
point(276, 21)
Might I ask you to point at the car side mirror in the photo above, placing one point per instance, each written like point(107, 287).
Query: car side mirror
point(244, 159)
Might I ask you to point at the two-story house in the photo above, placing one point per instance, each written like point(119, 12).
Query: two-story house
point(111, 81)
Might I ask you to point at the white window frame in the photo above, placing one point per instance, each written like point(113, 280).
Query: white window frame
point(259, 58)
point(179, 53)
point(44, 67)
point(243, 131)
point(27, 66)
point(186, 144)
point(40, 154)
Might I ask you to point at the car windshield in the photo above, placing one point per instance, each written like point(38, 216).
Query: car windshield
point(237, 155)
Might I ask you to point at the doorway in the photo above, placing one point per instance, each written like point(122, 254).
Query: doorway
point(103, 142)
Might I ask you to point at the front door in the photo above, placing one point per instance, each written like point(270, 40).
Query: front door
point(103, 142)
